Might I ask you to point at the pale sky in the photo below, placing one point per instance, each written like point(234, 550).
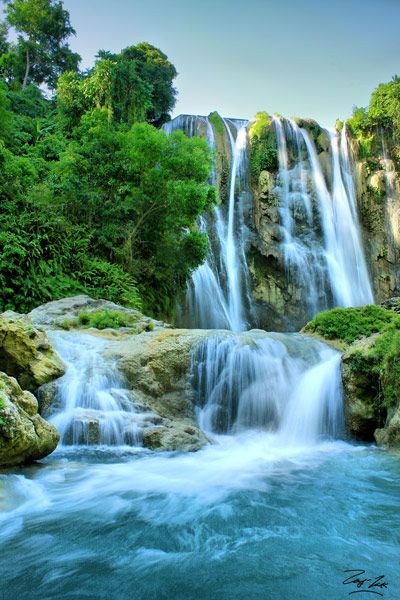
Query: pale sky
point(309, 58)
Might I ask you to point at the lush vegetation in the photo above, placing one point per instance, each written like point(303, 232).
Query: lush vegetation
point(95, 198)
point(380, 120)
point(107, 318)
point(381, 359)
point(349, 324)
point(263, 148)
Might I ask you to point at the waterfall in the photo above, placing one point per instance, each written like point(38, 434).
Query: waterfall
point(93, 405)
point(283, 383)
point(218, 294)
point(321, 240)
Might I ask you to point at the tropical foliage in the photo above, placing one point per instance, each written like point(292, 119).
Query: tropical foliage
point(94, 197)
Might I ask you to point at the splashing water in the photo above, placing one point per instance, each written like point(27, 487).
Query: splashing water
point(282, 383)
point(94, 407)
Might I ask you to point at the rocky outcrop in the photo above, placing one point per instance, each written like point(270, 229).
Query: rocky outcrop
point(25, 352)
point(280, 291)
point(24, 435)
point(183, 436)
point(389, 436)
point(363, 412)
point(378, 198)
point(372, 404)
point(155, 366)
point(65, 312)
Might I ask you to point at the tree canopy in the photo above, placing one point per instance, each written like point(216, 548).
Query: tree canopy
point(41, 53)
point(95, 198)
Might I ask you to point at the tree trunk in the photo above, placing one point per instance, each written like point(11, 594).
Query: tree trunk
point(28, 67)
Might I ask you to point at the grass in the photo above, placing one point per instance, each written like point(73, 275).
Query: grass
point(381, 359)
point(350, 324)
point(105, 318)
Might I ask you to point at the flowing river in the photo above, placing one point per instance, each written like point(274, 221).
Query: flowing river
point(247, 517)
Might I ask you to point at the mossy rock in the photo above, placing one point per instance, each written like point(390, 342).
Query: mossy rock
point(181, 436)
point(389, 436)
point(25, 352)
point(24, 435)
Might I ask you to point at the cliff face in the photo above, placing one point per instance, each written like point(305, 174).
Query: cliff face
point(318, 220)
point(378, 199)
point(284, 296)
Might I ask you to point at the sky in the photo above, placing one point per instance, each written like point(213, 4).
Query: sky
point(306, 58)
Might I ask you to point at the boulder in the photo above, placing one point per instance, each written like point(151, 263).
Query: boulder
point(25, 352)
point(389, 436)
point(24, 435)
point(360, 390)
point(59, 312)
point(183, 436)
point(158, 364)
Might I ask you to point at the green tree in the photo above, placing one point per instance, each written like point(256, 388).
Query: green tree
point(154, 68)
point(384, 108)
point(133, 86)
point(142, 205)
point(44, 27)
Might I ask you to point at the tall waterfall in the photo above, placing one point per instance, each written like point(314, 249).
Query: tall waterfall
point(321, 241)
point(218, 295)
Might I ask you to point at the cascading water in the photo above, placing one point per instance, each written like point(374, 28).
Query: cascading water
point(281, 383)
point(218, 295)
point(321, 240)
point(93, 405)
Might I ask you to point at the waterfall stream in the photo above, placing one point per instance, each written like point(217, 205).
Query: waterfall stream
point(93, 405)
point(281, 383)
point(329, 267)
point(219, 293)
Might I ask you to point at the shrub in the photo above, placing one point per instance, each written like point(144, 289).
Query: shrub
point(349, 324)
point(106, 319)
point(263, 148)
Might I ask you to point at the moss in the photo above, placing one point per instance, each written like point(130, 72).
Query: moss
point(263, 146)
point(217, 122)
point(376, 361)
point(68, 324)
point(260, 125)
point(106, 319)
point(378, 194)
point(350, 324)
point(2, 401)
point(339, 125)
point(221, 155)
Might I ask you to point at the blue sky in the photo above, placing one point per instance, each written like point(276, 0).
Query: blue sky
point(315, 58)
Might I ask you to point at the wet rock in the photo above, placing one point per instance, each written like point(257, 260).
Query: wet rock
point(389, 436)
point(360, 390)
point(25, 352)
point(24, 435)
point(58, 313)
point(182, 436)
point(392, 304)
